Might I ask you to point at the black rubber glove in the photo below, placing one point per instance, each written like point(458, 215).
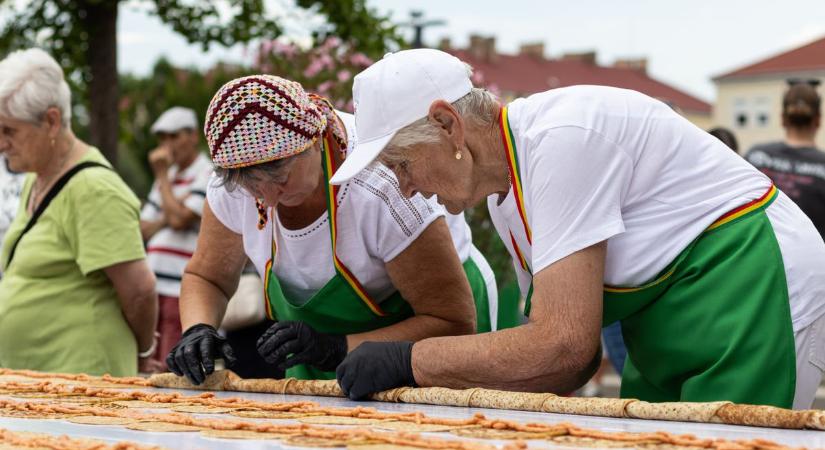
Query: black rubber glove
point(307, 346)
point(375, 367)
point(194, 356)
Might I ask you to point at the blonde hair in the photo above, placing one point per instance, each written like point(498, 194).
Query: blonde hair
point(31, 82)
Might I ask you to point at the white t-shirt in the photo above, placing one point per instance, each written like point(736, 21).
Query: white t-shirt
point(168, 250)
point(375, 223)
point(600, 163)
point(11, 185)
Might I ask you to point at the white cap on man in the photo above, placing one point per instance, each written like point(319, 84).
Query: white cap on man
point(175, 119)
point(395, 92)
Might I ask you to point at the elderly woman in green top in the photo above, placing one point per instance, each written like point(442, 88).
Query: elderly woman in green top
point(76, 295)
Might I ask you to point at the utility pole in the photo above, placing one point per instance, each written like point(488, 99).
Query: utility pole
point(418, 24)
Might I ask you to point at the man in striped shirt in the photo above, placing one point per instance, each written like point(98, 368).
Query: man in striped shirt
point(171, 216)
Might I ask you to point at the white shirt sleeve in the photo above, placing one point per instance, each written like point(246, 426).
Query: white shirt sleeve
point(197, 194)
point(152, 209)
point(389, 221)
point(576, 181)
point(226, 206)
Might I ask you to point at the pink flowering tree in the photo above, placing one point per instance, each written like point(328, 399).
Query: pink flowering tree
point(326, 69)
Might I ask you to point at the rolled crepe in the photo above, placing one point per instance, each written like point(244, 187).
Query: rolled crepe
point(762, 416)
point(521, 401)
point(676, 411)
point(219, 380)
point(591, 406)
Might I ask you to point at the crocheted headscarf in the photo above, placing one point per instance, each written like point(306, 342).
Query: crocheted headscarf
point(261, 118)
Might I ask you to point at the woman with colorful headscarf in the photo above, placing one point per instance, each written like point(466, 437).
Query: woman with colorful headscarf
point(342, 265)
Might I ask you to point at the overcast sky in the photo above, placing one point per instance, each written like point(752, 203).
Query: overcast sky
point(686, 41)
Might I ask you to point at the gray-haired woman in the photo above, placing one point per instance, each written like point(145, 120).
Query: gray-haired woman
point(76, 294)
point(613, 207)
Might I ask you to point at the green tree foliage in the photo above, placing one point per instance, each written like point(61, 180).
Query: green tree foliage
point(354, 23)
point(81, 34)
point(326, 69)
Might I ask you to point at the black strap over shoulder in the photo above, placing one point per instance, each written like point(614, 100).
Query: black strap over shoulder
point(58, 186)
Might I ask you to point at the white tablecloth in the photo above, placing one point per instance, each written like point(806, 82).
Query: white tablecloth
point(192, 440)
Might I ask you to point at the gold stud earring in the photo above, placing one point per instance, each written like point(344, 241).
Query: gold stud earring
point(457, 155)
point(52, 142)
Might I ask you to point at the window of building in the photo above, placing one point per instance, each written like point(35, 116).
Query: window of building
point(742, 120)
point(762, 107)
point(740, 113)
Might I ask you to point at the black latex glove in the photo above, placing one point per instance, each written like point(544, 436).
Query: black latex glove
point(375, 367)
point(194, 356)
point(307, 346)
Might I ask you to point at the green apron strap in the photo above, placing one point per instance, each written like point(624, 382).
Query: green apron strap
point(514, 172)
point(332, 210)
point(342, 306)
point(480, 296)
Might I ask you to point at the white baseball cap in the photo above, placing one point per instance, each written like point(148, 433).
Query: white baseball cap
point(395, 92)
point(175, 119)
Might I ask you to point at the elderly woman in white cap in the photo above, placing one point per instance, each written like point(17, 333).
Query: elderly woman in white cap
point(76, 294)
point(341, 265)
point(613, 207)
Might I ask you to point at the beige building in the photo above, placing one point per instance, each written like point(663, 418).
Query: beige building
point(530, 71)
point(749, 99)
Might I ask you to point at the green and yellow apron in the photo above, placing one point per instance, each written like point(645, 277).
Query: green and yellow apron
point(343, 306)
point(715, 324)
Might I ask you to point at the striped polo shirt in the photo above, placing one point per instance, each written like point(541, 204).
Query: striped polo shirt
point(169, 250)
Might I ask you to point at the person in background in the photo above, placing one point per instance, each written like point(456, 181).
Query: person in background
point(11, 184)
point(77, 295)
point(170, 219)
point(795, 164)
point(726, 136)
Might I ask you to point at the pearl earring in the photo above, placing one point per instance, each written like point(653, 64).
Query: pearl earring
point(457, 155)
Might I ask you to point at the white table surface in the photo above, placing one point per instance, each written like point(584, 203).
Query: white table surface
point(192, 440)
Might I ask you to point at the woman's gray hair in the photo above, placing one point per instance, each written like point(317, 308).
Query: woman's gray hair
point(478, 106)
point(275, 171)
point(31, 82)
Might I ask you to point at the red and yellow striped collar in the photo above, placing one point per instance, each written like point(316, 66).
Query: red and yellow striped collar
point(745, 209)
point(513, 167)
point(332, 212)
point(332, 209)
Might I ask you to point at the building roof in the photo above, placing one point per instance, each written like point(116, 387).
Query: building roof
point(808, 57)
point(526, 74)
